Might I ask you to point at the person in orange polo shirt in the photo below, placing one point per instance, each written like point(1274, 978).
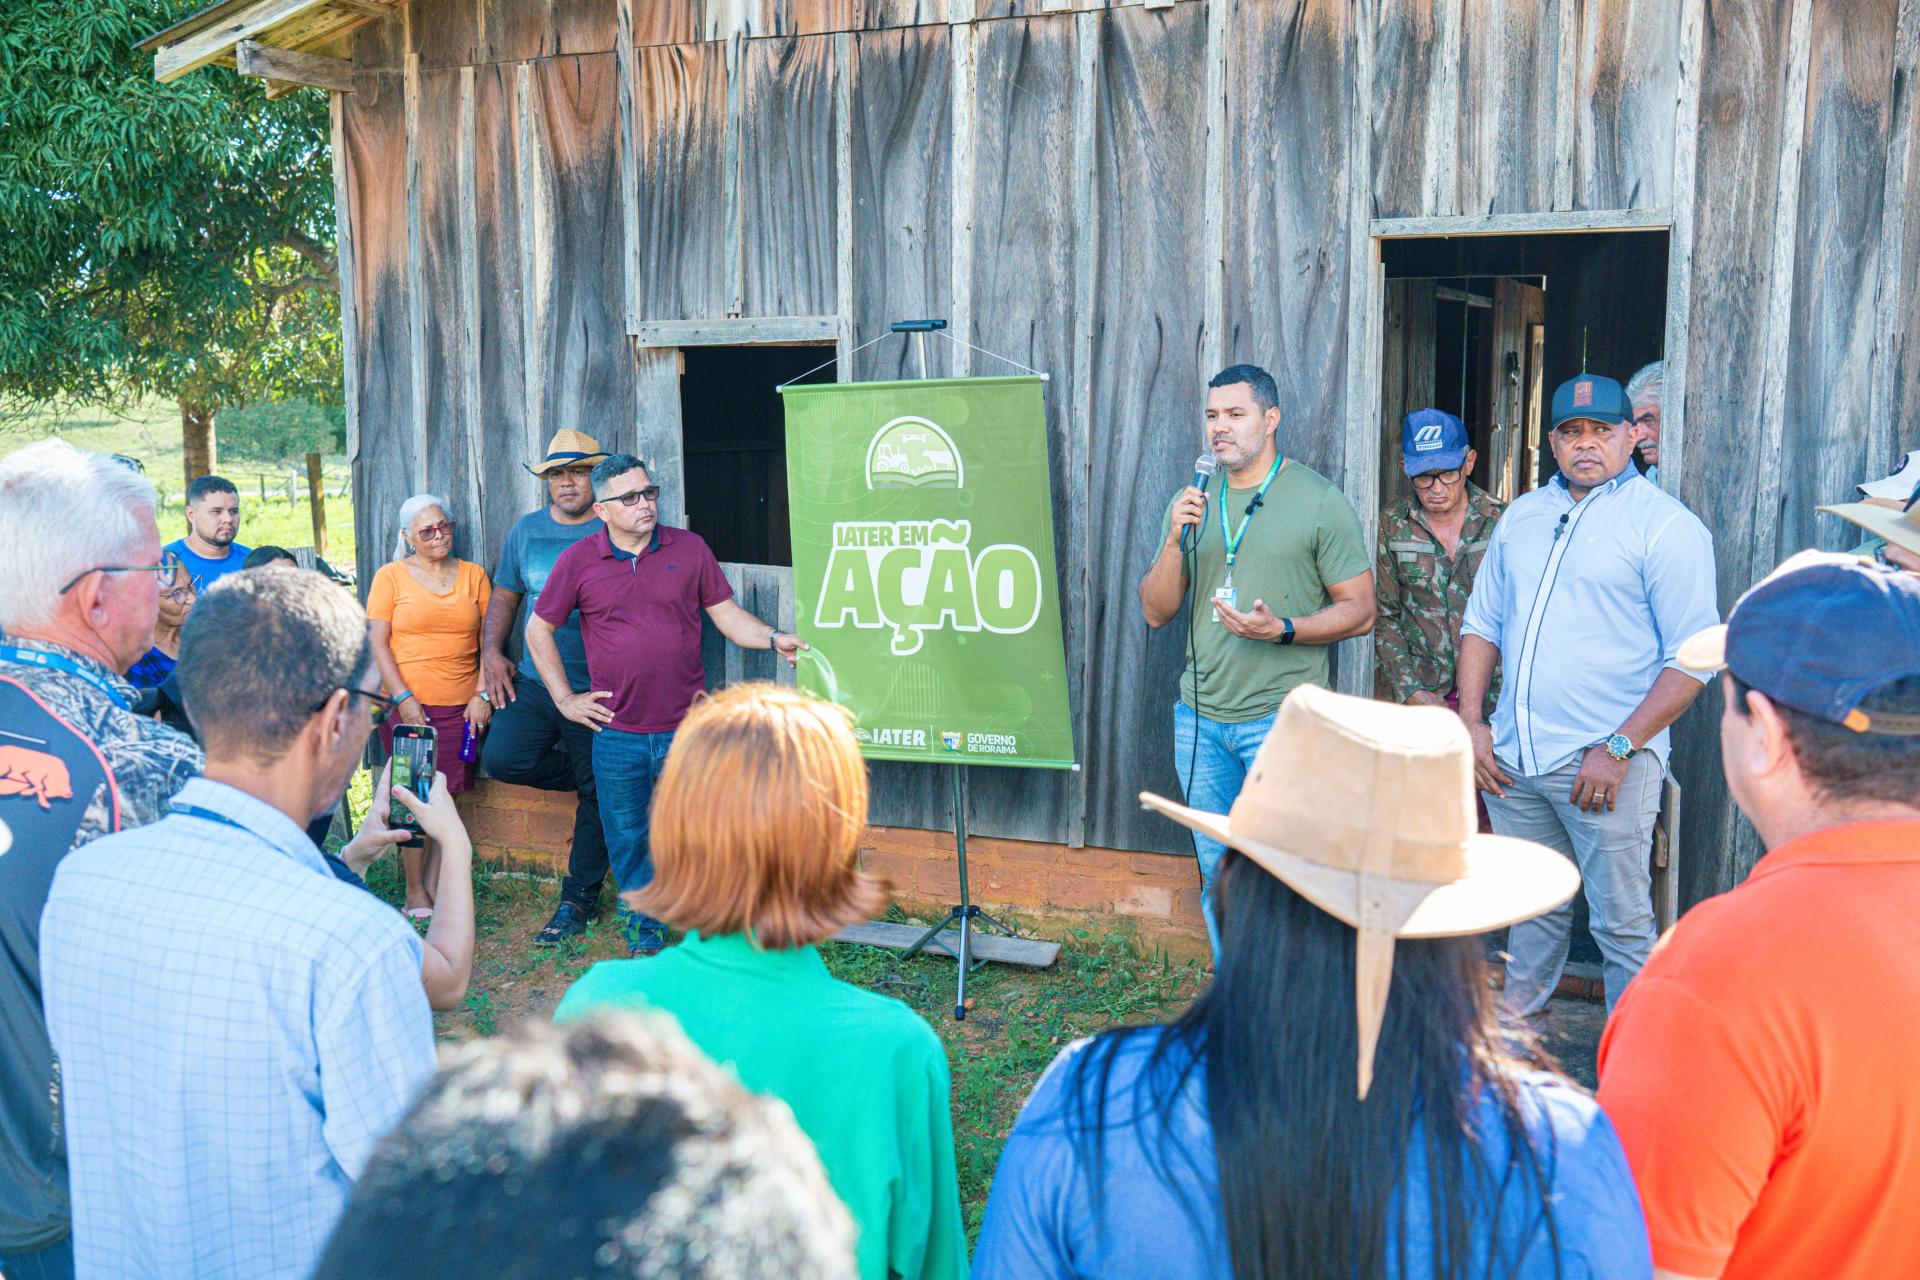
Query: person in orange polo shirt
point(1764, 1068)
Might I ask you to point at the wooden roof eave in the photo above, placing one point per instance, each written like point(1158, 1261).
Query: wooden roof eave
point(307, 27)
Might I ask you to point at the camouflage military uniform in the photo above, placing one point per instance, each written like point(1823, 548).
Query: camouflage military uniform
point(1422, 596)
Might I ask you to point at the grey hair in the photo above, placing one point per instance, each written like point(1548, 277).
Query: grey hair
point(1643, 388)
point(409, 511)
point(63, 511)
point(617, 464)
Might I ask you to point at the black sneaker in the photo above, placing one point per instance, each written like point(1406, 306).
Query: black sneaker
point(568, 922)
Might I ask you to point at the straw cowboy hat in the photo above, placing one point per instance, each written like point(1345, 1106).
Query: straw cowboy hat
point(569, 448)
point(1366, 809)
point(1901, 528)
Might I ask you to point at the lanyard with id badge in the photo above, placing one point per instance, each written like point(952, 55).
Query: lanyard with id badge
point(1230, 539)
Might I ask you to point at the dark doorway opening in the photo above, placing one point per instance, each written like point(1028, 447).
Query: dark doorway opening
point(733, 432)
point(1485, 327)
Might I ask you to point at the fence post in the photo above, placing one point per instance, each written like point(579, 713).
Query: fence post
point(317, 500)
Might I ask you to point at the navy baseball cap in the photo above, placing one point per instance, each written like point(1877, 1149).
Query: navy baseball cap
point(1591, 396)
point(1820, 634)
point(1432, 440)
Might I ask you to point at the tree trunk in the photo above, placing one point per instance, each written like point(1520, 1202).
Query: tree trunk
point(196, 435)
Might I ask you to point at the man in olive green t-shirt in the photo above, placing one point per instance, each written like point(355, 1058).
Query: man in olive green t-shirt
point(1275, 570)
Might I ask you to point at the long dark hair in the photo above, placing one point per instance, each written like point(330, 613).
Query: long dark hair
point(1312, 1180)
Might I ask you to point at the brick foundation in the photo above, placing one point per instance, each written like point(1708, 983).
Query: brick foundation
point(1053, 889)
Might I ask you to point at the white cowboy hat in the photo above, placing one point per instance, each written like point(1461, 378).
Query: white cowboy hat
point(1366, 809)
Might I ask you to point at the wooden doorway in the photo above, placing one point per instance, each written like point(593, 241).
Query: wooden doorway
point(1486, 326)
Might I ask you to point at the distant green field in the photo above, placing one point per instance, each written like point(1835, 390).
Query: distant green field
point(151, 432)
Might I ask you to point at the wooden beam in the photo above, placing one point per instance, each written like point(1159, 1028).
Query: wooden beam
point(843, 79)
point(751, 331)
point(195, 50)
point(365, 8)
point(1894, 306)
point(1509, 224)
point(1686, 147)
point(307, 70)
point(344, 256)
point(1086, 306)
point(960, 202)
point(1360, 458)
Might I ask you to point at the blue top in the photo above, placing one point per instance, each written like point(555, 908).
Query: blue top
point(231, 1046)
point(526, 558)
point(1588, 603)
point(152, 670)
point(203, 571)
point(1041, 1219)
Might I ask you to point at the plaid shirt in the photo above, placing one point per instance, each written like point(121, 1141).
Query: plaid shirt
point(236, 1029)
point(1422, 596)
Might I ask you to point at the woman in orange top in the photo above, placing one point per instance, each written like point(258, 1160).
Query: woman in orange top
point(425, 609)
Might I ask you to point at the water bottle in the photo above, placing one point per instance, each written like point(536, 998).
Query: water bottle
point(469, 744)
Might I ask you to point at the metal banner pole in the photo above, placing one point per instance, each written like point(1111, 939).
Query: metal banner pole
point(965, 913)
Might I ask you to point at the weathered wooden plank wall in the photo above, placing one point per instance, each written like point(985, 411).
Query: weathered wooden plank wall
point(1123, 197)
point(1147, 375)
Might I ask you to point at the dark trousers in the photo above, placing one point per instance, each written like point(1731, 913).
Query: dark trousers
point(55, 1262)
point(531, 744)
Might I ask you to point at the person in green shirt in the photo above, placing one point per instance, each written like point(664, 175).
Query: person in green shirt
point(1271, 567)
point(755, 828)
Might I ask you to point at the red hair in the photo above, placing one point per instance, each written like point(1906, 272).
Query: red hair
point(757, 820)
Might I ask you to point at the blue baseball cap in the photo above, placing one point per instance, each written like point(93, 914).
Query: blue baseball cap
point(1591, 396)
point(1431, 440)
point(1820, 634)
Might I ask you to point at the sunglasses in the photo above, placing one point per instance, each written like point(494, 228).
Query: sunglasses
point(167, 571)
point(382, 705)
point(649, 494)
point(434, 532)
point(1431, 478)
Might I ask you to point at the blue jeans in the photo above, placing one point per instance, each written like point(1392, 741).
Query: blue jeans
point(625, 768)
point(1612, 849)
point(1212, 758)
point(55, 1262)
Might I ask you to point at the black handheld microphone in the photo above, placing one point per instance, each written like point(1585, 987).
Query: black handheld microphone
point(1203, 469)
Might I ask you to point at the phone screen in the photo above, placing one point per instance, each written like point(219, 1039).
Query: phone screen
point(413, 755)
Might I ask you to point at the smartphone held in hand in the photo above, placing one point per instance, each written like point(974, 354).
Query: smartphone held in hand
point(413, 764)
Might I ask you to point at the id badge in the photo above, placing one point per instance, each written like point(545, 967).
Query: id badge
point(1226, 596)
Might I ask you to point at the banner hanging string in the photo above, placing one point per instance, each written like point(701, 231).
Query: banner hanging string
point(834, 359)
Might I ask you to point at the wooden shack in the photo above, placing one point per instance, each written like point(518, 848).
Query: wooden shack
point(633, 216)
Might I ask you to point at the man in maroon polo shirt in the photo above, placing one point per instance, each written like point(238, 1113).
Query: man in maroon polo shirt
point(640, 587)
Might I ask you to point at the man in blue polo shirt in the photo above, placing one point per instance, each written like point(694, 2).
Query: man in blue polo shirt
point(639, 587)
point(1588, 587)
point(529, 742)
point(213, 522)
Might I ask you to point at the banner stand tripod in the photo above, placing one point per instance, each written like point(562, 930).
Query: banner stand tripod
point(964, 918)
point(963, 914)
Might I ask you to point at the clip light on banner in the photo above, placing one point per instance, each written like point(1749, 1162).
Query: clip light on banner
point(923, 567)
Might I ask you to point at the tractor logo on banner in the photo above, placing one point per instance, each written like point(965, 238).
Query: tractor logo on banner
point(913, 453)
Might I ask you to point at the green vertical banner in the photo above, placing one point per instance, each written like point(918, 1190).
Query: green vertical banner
point(923, 567)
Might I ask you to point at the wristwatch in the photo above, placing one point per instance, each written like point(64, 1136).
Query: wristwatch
point(1286, 631)
point(1620, 746)
point(773, 638)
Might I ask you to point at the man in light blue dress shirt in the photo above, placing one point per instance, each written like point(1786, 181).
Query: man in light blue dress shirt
point(1589, 586)
point(236, 1027)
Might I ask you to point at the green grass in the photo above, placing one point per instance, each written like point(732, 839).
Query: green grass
point(1019, 1021)
point(150, 431)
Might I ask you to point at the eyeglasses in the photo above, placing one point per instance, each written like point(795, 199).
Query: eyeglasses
point(649, 494)
point(1433, 478)
point(167, 571)
point(382, 704)
point(180, 592)
point(434, 532)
